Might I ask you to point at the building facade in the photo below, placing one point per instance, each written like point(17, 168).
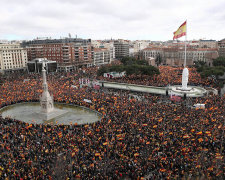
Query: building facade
point(69, 53)
point(83, 55)
point(212, 44)
point(121, 48)
point(152, 52)
point(140, 45)
point(101, 56)
point(221, 47)
point(12, 57)
point(108, 44)
point(175, 56)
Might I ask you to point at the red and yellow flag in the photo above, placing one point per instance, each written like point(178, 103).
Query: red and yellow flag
point(162, 170)
point(60, 134)
point(199, 133)
point(29, 126)
point(73, 154)
point(218, 156)
point(181, 31)
point(186, 136)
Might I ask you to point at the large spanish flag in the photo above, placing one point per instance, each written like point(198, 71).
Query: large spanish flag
point(181, 31)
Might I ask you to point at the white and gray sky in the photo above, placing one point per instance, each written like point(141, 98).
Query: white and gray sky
point(117, 19)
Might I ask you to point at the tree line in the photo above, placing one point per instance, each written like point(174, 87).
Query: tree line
point(131, 66)
point(218, 68)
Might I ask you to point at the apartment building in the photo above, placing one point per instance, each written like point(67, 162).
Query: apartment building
point(140, 45)
point(108, 44)
point(12, 57)
point(101, 56)
point(69, 53)
point(135, 47)
point(50, 51)
point(121, 48)
point(83, 55)
point(221, 47)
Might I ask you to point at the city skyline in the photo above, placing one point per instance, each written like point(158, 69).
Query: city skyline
point(98, 19)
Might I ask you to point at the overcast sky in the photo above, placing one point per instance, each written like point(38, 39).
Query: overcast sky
point(106, 19)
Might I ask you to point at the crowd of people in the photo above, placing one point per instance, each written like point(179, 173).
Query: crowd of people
point(134, 139)
point(168, 76)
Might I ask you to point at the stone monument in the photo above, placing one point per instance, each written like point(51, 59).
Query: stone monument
point(185, 75)
point(184, 89)
point(48, 111)
point(46, 100)
point(184, 86)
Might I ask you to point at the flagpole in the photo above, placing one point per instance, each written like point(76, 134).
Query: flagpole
point(185, 48)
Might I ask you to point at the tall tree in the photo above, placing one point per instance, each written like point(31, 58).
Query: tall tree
point(220, 61)
point(158, 59)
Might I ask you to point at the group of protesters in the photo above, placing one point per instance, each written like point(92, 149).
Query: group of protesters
point(134, 139)
point(168, 76)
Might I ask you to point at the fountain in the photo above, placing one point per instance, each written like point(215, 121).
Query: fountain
point(46, 112)
point(46, 100)
point(185, 90)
